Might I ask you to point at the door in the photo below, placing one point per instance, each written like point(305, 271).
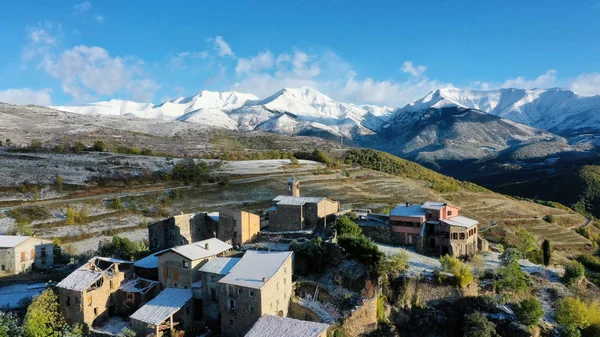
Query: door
point(432, 243)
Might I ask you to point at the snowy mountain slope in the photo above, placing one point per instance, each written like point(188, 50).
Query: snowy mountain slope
point(556, 110)
point(306, 111)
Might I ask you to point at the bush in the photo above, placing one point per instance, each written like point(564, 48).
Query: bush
point(510, 255)
point(572, 313)
point(189, 172)
point(99, 146)
point(362, 249)
point(573, 273)
point(123, 248)
point(313, 251)
point(461, 271)
point(590, 262)
point(115, 204)
point(391, 265)
point(550, 218)
point(43, 317)
point(529, 311)
point(78, 147)
point(10, 325)
point(511, 278)
point(345, 226)
point(478, 325)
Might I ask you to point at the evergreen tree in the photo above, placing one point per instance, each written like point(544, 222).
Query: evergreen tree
point(43, 318)
point(547, 252)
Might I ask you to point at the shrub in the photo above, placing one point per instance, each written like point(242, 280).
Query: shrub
point(294, 161)
point(510, 255)
point(590, 262)
point(573, 273)
point(43, 317)
point(572, 313)
point(478, 325)
point(512, 278)
point(345, 226)
point(391, 265)
point(529, 311)
point(461, 271)
point(550, 218)
point(99, 146)
point(10, 325)
point(78, 147)
point(526, 241)
point(313, 251)
point(123, 248)
point(362, 249)
point(189, 172)
point(115, 204)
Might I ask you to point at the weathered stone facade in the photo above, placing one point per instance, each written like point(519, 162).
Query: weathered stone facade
point(363, 318)
point(238, 227)
point(27, 254)
point(300, 215)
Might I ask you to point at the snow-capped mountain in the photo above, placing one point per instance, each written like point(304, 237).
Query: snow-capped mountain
point(556, 110)
point(288, 111)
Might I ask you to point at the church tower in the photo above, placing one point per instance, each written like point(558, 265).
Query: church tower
point(293, 188)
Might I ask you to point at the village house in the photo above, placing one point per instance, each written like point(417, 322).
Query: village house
point(19, 254)
point(435, 227)
point(259, 284)
point(88, 295)
point(233, 227)
point(292, 212)
point(211, 273)
point(275, 326)
point(178, 266)
point(171, 309)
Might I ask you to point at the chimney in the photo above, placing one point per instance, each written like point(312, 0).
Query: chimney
point(264, 279)
point(407, 204)
point(206, 246)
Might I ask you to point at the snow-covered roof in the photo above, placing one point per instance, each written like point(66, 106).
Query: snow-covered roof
point(411, 211)
point(86, 275)
point(274, 326)
point(9, 241)
point(168, 302)
point(220, 265)
point(292, 179)
point(201, 249)
point(296, 201)
point(214, 216)
point(433, 205)
point(461, 221)
point(111, 260)
point(254, 267)
point(150, 261)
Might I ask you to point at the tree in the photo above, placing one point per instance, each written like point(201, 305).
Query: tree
point(391, 265)
point(71, 216)
point(529, 311)
point(78, 147)
point(572, 313)
point(294, 161)
point(59, 181)
point(550, 218)
point(547, 252)
point(345, 226)
point(115, 204)
point(510, 255)
point(99, 146)
point(478, 325)
point(526, 241)
point(461, 271)
point(573, 273)
point(43, 318)
point(82, 215)
point(10, 325)
point(512, 278)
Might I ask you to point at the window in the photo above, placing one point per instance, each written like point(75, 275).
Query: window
point(3, 267)
point(449, 213)
point(284, 295)
point(33, 254)
point(95, 311)
point(462, 236)
point(90, 301)
point(284, 281)
point(23, 256)
point(277, 285)
point(186, 264)
point(213, 295)
point(251, 308)
point(212, 278)
point(251, 293)
point(231, 306)
point(271, 305)
point(231, 321)
point(43, 252)
point(285, 269)
point(68, 301)
point(76, 300)
point(110, 283)
point(130, 296)
point(187, 310)
point(240, 290)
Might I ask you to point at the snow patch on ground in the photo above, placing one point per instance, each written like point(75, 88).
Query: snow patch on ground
point(11, 296)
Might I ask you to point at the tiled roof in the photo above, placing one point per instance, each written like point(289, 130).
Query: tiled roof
point(274, 326)
point(254, 267)
point(168, 302)
point(9, 241)
point(198, 250)
point(220, 265)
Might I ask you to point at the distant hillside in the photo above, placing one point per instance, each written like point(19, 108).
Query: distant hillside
point(385, 162)
point(578, 188)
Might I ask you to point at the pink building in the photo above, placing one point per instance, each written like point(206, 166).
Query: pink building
point(435, 227)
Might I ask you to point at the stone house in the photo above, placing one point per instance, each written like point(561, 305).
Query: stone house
point(275, 326)
point(234, 227)
point(89, 294)
point(179, 266)
point(259, 284)
point(211, 273)
point(20, 254)
point(434, 227)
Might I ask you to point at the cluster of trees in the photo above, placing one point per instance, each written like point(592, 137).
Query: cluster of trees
point(123, 248)
point(190, 172)
point(76, 216)
point(385, 162)
point(461, 271)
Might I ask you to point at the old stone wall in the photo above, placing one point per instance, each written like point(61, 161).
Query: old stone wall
point(383, 234)
point(363, 318)
point(287, 218)
point(299, 312)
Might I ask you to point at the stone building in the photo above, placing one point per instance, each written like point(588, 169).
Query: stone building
point(211, 273)
point(259, 284)
point(234, 227)
point(178, 266)
point(171, 309)
point(89, 294)
point(293, 188)
point(275, 326)
point(20, 254)
point(434, 227)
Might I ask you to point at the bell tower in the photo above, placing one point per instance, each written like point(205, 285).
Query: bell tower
point(293, 187)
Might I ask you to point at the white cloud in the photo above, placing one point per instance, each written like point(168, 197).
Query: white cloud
point(586, 84)
point(545, 80)
point(82, 7)
point(410, 68)
point(99, 18)
point(222, 46)
point(86, 71)
point(40, 39)
point(178, 61)
point(261, 61)
point(26, 96)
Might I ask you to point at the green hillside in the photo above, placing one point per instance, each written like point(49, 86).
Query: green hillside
point(578, 188)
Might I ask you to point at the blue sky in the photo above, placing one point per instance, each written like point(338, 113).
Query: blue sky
point(379, 52)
